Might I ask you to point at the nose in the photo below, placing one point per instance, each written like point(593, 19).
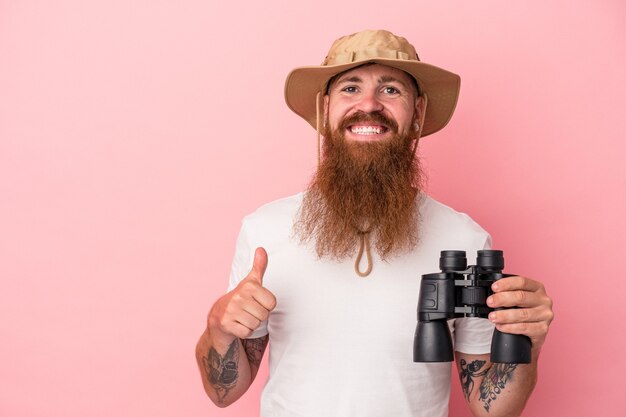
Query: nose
point(369, 103)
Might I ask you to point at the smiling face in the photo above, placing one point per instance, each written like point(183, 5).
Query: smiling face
point(372, 103)
point(369, 176)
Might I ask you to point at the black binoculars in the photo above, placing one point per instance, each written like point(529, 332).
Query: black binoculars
point(461, 291)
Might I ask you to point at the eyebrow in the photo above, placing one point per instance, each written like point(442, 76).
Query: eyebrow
point(391, 79)
point(353, 79)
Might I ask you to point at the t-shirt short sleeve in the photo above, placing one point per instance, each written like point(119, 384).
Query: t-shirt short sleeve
point(241, 266)
point(473, 335)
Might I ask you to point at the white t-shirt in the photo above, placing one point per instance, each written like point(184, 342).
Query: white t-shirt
point(342, 345)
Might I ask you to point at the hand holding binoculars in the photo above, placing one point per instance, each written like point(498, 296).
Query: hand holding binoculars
point(461, 291)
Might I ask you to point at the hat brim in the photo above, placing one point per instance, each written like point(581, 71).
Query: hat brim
point(441, 86)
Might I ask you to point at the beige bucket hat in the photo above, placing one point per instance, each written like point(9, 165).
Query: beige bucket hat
point(379, 46)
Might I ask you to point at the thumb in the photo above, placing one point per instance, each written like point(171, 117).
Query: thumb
point(258, 265)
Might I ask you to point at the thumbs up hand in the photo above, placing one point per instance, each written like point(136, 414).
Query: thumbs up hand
point(259, 265)
point(239, 312)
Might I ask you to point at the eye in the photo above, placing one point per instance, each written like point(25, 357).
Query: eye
point(349, 89)
point(390, 90)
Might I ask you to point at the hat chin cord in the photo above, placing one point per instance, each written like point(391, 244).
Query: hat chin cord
point(364, 236)
point(318, 106)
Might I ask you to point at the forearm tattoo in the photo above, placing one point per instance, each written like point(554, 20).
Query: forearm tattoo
point(468, 373)
point(254, 349)
point(494, 380)
point(222, 371)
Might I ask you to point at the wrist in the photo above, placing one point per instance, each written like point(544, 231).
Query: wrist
point(219, 338)
point(220, 341)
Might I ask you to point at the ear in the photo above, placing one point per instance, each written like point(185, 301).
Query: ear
point(419, 109)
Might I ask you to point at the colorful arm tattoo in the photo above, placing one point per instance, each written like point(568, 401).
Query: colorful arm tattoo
point(468, 373)
point(495, 378)
point(494, 382)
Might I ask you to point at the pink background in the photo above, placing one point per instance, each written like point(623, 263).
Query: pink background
point(134, 135)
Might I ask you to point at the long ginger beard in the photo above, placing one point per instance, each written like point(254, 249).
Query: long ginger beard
point(362, 187)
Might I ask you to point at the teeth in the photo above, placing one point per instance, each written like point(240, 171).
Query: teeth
point(366, 130)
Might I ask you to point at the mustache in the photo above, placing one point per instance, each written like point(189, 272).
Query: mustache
point(373, 117)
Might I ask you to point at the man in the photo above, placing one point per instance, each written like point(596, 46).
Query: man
point(336, 270)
